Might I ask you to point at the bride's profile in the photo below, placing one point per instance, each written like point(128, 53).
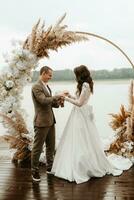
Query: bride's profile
point(80, 154)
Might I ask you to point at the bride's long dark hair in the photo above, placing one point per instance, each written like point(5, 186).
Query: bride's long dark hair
point(83, 75)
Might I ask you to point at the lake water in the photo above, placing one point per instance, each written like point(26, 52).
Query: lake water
point(107, 98)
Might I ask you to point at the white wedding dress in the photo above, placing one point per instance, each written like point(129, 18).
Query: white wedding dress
point(80, 155)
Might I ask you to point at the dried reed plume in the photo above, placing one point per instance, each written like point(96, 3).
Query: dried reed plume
point(123, 123)
point(41, 40)
point(119, 119)
point(17, 127)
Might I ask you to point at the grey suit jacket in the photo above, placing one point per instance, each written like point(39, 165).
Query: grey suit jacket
point(43, 103)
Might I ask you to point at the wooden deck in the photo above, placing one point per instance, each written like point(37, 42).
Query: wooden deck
point(16, 184)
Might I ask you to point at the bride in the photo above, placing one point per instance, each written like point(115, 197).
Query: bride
point(80, 155)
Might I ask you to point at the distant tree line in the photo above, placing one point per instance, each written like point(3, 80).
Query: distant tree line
point(67, 74)
point(122, 73)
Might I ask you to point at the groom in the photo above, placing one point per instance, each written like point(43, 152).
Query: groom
point(44, 121)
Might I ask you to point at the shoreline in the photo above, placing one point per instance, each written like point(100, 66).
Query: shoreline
point(109, 81)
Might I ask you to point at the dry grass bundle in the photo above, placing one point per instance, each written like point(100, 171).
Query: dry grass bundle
point(120, 118)
point(116, 146)
point(21, 146)
point(123, 123)
point(41, 40)
point(2, 139)
point(17, 126)
point(15, 122)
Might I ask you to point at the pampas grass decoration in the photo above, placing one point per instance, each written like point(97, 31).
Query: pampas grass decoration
point(17, 127)
point(41, 40)
point(123, 123)
point(15, 122)
point(119, 119)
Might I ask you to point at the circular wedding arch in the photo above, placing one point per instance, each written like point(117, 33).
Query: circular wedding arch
point(31, 52)
point(109, 41)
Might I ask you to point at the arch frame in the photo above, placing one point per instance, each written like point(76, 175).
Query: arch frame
point(110, 42)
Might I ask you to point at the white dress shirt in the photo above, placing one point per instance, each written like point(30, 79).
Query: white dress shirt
point(46, 86)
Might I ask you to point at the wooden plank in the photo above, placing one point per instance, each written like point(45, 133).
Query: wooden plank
point(16, 184)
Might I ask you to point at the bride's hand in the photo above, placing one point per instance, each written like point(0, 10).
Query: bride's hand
point(65, 93)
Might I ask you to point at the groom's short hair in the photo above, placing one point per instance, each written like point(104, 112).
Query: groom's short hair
point(45, 69)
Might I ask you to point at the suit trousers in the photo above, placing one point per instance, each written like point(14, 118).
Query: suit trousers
point(43, 135)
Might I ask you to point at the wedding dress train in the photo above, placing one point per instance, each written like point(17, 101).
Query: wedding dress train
point(80, 154)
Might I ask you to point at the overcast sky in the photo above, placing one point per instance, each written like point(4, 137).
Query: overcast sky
point(111, 19)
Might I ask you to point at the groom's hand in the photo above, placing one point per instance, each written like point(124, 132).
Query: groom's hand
point(55, 102)
point(58, 100)
point(61, 101)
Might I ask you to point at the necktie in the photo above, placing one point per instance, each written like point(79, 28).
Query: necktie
point(48, 89)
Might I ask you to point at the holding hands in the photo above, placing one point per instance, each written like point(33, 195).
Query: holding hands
point(61, 97)
point(65, 93)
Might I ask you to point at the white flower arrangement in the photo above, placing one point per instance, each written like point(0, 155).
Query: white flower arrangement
point(20, 62)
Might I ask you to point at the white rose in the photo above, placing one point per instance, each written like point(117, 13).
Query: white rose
point(9, 75)
point(21, 65)
point(9, 84)
point(3, 92)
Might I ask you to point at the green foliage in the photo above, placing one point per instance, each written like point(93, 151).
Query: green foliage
point(67, 74)
point(122, 73)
